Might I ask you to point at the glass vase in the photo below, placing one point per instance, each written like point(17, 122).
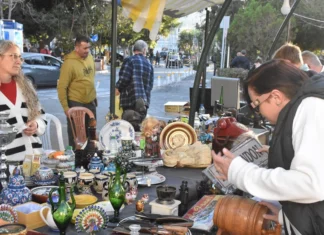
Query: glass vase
point(116, 194)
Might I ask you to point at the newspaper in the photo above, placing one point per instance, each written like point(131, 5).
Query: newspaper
point(246, 150)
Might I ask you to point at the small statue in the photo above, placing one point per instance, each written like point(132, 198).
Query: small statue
point(151, 130)
point(129, 198)
point(145, 198)
point(139, 206)
point(133, 192)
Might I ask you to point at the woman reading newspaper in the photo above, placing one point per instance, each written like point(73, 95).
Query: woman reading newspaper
point(287, 98)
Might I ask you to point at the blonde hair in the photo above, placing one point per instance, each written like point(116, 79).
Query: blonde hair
point(147, 126)
point(289, 52)
point(28, 91)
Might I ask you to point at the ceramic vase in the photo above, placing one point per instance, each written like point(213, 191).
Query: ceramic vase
point(17, 192)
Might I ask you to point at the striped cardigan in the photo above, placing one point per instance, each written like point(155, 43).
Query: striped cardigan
point(22, 144)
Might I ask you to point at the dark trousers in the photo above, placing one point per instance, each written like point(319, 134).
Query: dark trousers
point(91, 106)
point(215, 69)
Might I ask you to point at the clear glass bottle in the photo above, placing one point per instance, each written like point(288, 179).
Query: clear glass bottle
point(202, 109)
point(197, 124)
point(71, 157)
point(113, 145)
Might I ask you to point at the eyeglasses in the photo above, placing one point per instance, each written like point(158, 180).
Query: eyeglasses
point(256, 104)
point(15, 57)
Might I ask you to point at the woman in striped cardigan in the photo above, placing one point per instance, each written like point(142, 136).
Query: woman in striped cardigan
point(18, 96)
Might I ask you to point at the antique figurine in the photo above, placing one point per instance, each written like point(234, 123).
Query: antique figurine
point(151, 131)
point(145, 198)
point(133, 192)
point(139, 206)
point(129, 198)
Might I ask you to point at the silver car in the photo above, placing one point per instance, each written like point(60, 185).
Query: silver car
point(41, 69)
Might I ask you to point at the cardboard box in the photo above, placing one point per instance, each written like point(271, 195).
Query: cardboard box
point(28, 214)
point(174, 107)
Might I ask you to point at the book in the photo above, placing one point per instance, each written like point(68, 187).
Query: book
point(202, 212)
point(247, 150)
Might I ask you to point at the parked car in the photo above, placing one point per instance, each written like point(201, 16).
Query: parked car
point(173, 60)
point(163, 55)
point(41, 69)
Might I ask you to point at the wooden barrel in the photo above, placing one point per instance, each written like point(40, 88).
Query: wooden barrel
point(236, 215)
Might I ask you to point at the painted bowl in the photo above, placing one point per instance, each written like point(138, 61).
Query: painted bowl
point(44, 173)
point(40, 194)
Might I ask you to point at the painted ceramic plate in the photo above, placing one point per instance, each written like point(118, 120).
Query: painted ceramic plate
point(76, 212)
point(118, 128)
point(155, 177)
point(45, 182)
point(8, 213)
point(134, 218)
point(106, 205)
point(91, 219)
point(83, 200)
point(177, 134)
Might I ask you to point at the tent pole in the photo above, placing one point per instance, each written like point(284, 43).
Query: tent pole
point(202, 61)
point(283, 25)
point(113, 56)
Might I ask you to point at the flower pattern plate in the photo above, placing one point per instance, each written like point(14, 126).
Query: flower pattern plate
point(91, 219)
point(155, 177)
point(134, 218)
point(117, 128)
point(8, 213)
point(45, 182)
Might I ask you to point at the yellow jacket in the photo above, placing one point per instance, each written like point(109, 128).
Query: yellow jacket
point(76, 80)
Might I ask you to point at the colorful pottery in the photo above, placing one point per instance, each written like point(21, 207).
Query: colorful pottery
point(40, 194)
point(85, 180)
point(84, 200)
point(100, 179)
point(45, 182)
point(44, 174)
point(127, 143)
point(17, 192)
point(96, 163)
point(8, 213)
point(91, 219)
point(70, 177)
point(105, 186)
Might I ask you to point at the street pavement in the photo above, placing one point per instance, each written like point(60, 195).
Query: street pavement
point(169, 85)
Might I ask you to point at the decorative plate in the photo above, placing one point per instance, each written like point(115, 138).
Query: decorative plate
point(8, 213)
point(134, 218)
point(106, 205)
point(155, 177)
point(177, 134)
point(45, 182)
point(76, 212)
point(118, 128)
point(91, 219)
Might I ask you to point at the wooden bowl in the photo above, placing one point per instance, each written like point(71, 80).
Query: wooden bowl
point(40, 194)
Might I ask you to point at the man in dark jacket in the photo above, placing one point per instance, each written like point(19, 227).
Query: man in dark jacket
point(240, 61)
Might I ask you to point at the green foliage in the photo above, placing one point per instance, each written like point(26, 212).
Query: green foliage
point(190, 41)
point(254, 28)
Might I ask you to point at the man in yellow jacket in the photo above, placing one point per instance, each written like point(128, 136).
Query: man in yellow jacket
point(76, 85)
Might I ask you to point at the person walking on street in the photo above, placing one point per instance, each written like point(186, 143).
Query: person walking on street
point(157, 58)
point(76, 85)
point(45, 50)
point(135, 84)
point(241, 61)
point(214, 62)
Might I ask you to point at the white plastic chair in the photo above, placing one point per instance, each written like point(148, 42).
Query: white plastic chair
point(46, 138)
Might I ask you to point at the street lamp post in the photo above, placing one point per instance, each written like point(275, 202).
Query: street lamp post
point(285, 9)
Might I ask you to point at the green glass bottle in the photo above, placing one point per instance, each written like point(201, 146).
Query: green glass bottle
point(116, 194)
point(62, 212)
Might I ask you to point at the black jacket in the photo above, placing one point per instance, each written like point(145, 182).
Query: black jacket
point(307, 218)
point(240, 62)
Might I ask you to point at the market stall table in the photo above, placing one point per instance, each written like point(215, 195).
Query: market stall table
point(174, 177)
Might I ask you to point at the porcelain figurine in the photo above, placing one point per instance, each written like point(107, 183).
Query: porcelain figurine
point(17, 192)
point(151, 130)
point(139, 206)
point(129, 198)
point(145, 198)
point(133, 192)
point(96, 163)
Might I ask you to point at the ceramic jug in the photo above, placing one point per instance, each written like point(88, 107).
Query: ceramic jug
point(46, 215)
point(62, 212)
